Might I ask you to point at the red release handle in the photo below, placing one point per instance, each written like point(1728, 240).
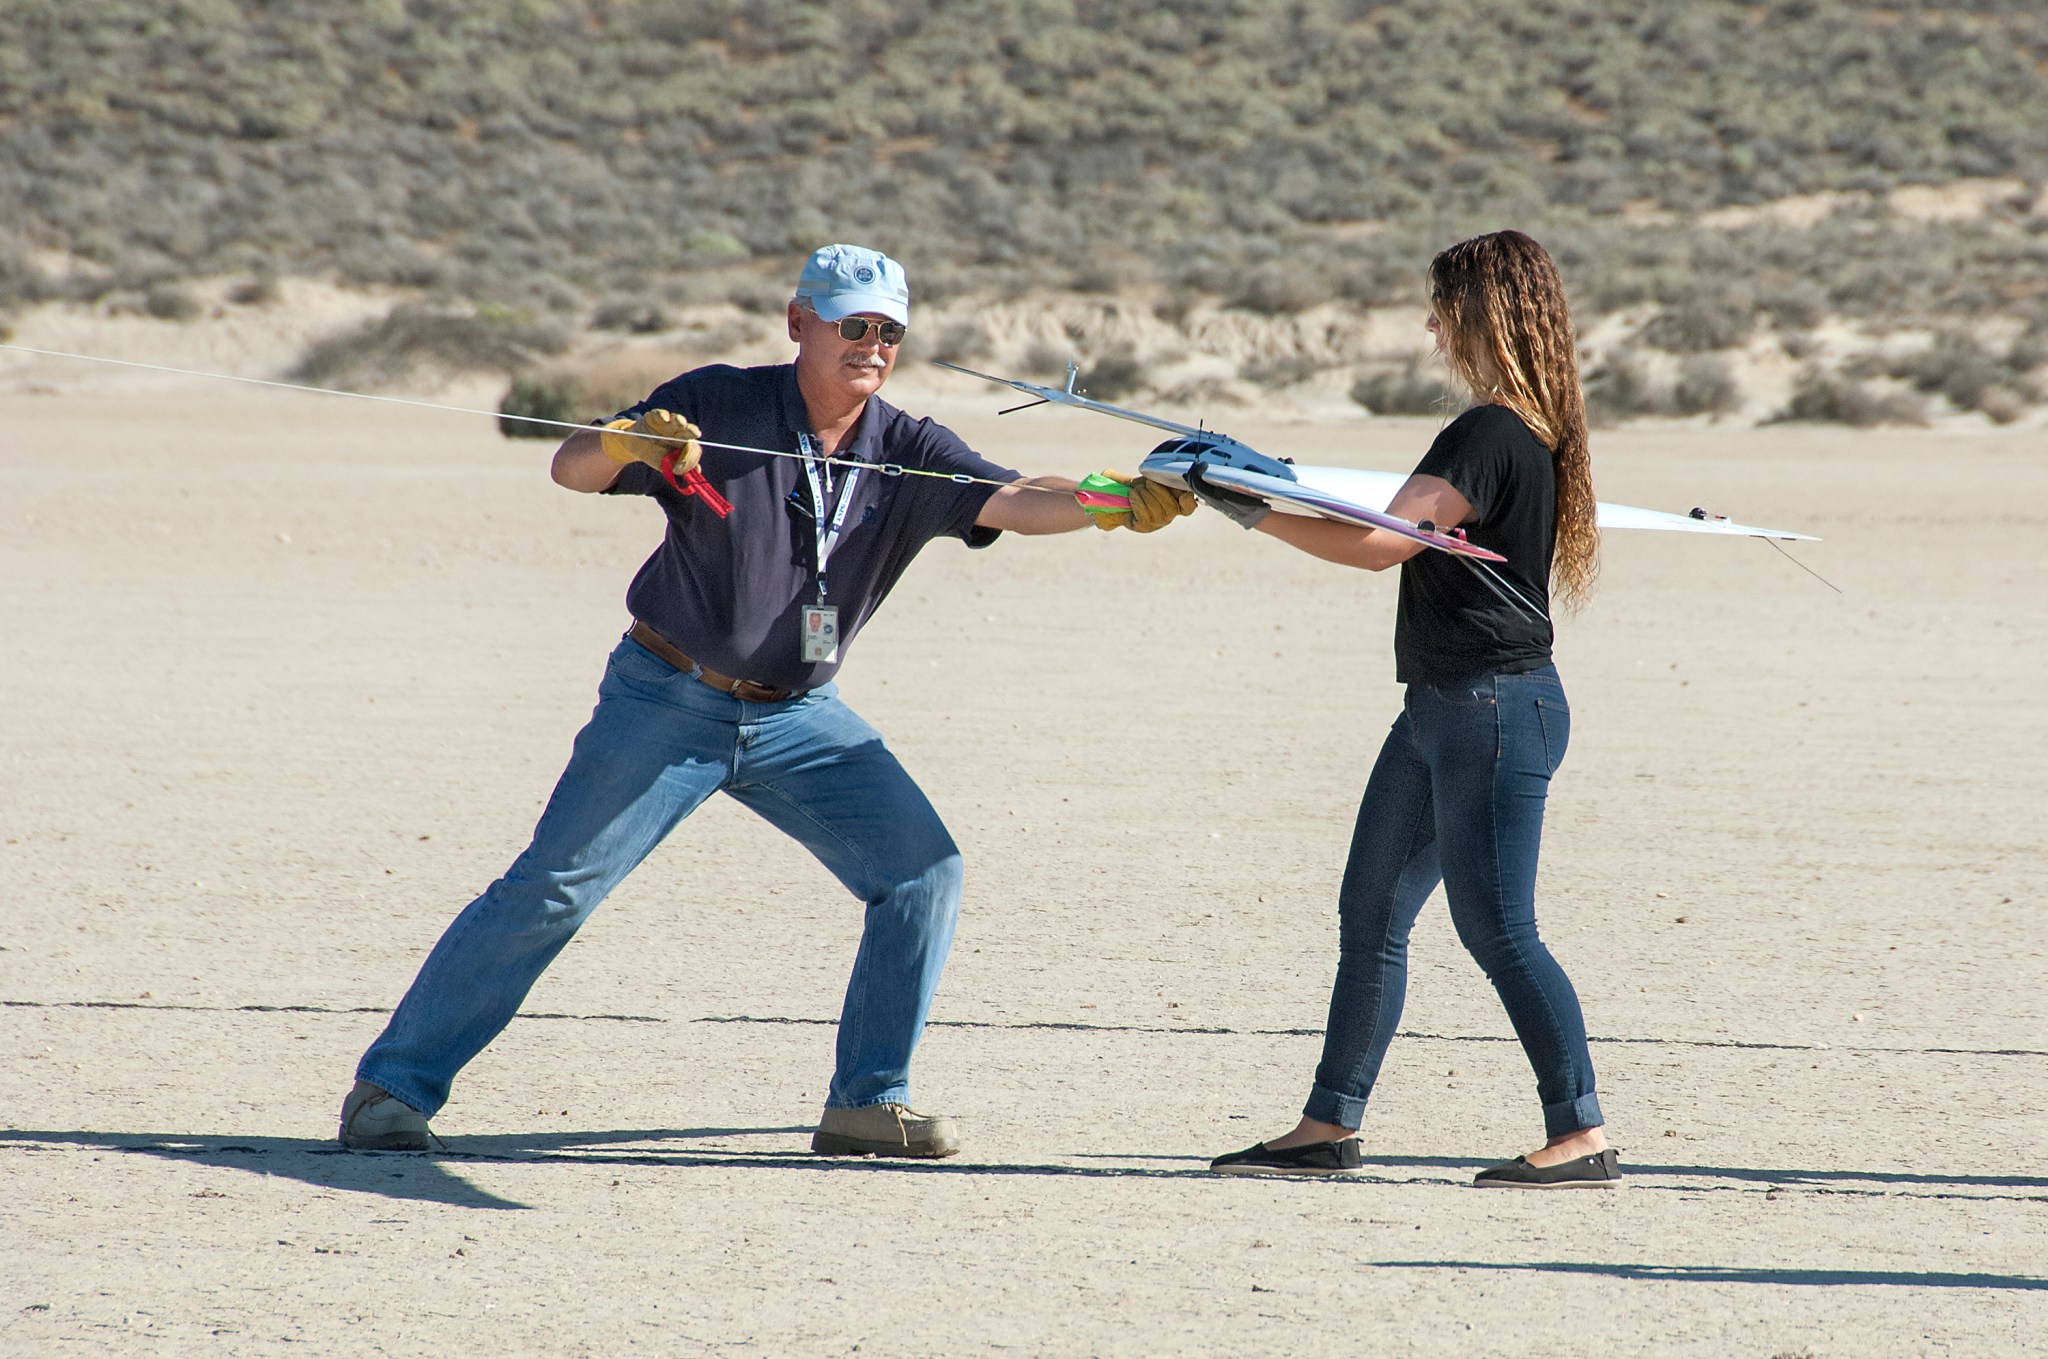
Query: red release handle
point(693, 483)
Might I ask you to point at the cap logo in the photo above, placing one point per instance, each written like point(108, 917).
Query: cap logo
point(864, 275)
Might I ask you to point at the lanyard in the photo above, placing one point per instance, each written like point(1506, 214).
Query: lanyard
point(821, 487)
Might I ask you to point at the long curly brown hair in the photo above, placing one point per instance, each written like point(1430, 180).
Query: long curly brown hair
point(1507, 335)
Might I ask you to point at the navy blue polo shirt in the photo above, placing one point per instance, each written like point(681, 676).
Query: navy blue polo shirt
point(731, 591)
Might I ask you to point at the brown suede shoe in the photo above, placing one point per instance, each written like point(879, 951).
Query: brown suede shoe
point(885, 1130)
point(374, 1119)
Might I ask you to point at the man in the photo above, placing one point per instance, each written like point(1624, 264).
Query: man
point(769, 567)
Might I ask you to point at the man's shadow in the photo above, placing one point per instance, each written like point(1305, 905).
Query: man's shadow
point(428, 1177)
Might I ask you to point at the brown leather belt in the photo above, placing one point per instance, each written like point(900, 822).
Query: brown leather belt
point(725, 684)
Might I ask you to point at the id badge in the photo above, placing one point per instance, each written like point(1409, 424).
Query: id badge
point(821, 632)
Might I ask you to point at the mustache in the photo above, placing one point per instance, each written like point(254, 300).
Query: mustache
point(865, 361)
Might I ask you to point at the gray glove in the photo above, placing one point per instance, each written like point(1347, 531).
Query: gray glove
point(1243, 510)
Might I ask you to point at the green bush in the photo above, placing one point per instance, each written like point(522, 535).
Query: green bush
point(416, 341)
point(586, 390)
point(1712, 321)
point(633, 315)
point(1620, 387)
point(1705, 386)
point(1280, 369)
point(962, 342)
point(169, 302)
point(1822, 397)
point(1959, 368)
point(1412, 390)
point(1112, 377)
point(260, 291)
point(538, 398)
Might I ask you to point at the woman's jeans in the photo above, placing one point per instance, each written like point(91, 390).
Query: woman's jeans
point(1457, 797)
point(658, 744)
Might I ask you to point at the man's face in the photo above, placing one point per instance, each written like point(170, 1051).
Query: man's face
point(824, 361)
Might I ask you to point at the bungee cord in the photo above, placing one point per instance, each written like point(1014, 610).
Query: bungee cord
point(1494, 581)
point(887, 469)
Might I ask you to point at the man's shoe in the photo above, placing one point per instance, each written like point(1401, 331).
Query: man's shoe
point(373, 1119)
point(885, 1130)
point(1601, 1170)
point(1313, 1158)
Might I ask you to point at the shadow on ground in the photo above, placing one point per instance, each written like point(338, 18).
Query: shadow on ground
point(433, 1176)
point(1811, 1278)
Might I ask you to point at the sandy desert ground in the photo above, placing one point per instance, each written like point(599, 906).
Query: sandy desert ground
point(287, 678)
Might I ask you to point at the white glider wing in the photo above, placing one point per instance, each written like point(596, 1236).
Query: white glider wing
point(1351, 494)
point(1376, 490)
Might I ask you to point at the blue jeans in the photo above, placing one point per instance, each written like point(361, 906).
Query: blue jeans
point(1457, 797)
point(658, 744)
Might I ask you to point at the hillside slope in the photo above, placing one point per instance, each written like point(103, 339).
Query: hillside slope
point(1722, 166)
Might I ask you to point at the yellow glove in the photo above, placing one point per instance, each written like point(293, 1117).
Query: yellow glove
point(621, 446)
point(1154, 505)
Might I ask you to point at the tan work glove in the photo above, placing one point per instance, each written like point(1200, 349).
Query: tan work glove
point(621, 446)
point(1154, 505)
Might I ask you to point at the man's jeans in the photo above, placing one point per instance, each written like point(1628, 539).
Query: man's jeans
point(658, 744)
point(1457, 797)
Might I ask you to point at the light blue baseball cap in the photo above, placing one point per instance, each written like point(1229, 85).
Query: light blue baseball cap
point(842, 280)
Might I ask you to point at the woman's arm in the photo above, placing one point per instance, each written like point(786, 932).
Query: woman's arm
point(1419, 498)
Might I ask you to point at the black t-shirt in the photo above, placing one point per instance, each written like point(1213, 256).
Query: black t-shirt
point(731, 591)
point(1456, 622)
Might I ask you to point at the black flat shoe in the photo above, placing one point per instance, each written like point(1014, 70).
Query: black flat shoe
point(1601, 1170)
point(1314, 1158)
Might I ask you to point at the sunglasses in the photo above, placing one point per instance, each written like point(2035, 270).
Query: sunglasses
point(854, 329)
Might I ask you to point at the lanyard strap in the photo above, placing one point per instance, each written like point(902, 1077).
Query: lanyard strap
point(821, 486)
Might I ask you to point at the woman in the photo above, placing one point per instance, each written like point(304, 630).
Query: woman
point(1457, 793)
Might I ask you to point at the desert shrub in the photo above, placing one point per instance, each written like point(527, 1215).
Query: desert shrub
point(1956, 366)
point(2003, 405)
point(759, 297)
point(1279, 369)
point(259, 291)
point(19, 280)
point(1705, 386)
point(1175, 306)
point(1795, 306)
point(169, 302)
point(1280, 288)
point(538, 398)
point(1415, 389)
point(1043, 359)
point(591, 389)
point(634, 315)
point(1621, 387)
point(1710, 321)
point(412, 340)
point(1106, 274)
point(1115, 375)
point(1823, 397)
point(962, 342)
point(2030, 349)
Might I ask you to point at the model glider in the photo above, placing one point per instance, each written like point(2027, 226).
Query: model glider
point(1348, 494)
point(1227, 462)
